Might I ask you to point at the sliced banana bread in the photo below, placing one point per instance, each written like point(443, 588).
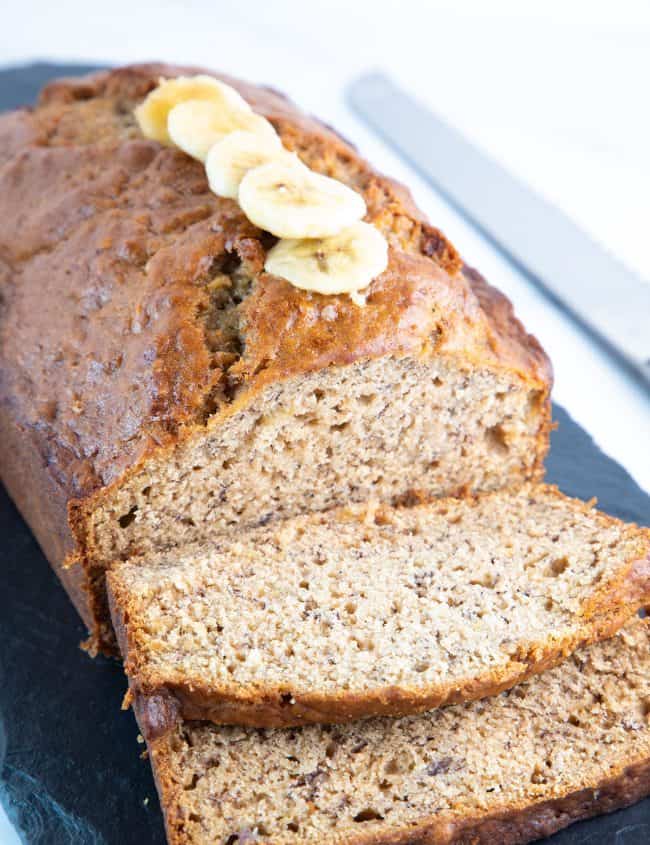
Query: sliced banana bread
point(368, 611)
point(156, 385)
point(569, 744)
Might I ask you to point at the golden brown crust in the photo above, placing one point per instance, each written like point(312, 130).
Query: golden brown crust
point(508, 333)
point(275, 707)
point(35, 495)
point(103, 362)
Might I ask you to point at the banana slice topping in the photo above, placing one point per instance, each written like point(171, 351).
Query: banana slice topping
point(197, 125)
point(291, 201)
point(153, 112)
point(324, 246)
point(344, 263)
point(230, 159)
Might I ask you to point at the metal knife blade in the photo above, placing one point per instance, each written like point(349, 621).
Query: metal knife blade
point(599, 292)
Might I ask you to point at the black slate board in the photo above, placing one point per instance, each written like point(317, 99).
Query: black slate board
point(70, 770)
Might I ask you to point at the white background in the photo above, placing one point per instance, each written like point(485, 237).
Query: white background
point(558, 91)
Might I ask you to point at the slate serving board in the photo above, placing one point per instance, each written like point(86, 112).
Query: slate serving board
point(70, 767)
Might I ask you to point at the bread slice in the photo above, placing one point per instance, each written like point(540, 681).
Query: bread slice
point(370, 611)
point(569, 744)
point(157, 386)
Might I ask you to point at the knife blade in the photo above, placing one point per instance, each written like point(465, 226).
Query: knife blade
point(600, 293)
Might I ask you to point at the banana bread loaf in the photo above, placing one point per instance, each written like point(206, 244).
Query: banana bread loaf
point(569, 744)
point(377, 611)
point(156, 385)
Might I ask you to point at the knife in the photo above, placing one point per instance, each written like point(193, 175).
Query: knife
point(608, 300)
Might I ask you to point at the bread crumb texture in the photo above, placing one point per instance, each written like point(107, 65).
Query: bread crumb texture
point(568, 743)
point(364, 611)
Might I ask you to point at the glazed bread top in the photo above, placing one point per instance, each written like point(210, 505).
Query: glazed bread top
point(113, 344)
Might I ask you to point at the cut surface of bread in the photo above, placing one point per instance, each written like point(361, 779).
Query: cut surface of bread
point(566, 745)
point(388, 429)
point(158, 386)
point(374, 610)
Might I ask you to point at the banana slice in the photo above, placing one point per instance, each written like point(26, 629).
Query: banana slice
point(290, 201)
point(197, 125)
point(230, 159)
point(152, 113)
point(344, 263)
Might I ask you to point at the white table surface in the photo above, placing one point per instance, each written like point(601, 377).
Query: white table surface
point(557, 91)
